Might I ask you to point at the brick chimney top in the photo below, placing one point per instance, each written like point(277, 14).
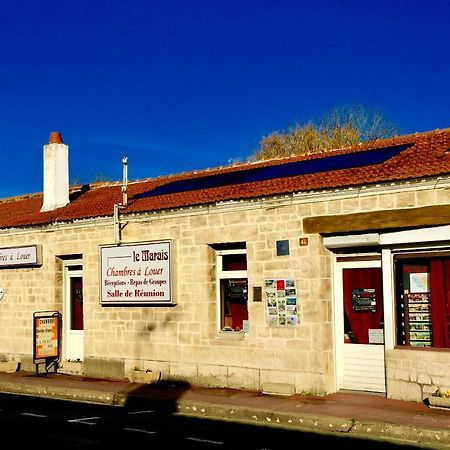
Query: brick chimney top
point(55, 138)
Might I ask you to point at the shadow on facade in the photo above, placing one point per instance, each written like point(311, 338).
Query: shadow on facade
point(162, 397)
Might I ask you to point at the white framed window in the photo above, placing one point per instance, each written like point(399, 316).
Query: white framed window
point(422, 288)
point(231, 289)
point(416, 263)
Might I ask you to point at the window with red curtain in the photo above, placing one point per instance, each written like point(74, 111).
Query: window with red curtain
point(76, 297)
point(423, 302)
point(363, 303)
point(440, 301)
point(233, 291)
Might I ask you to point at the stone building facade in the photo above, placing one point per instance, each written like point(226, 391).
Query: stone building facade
point(303, 238)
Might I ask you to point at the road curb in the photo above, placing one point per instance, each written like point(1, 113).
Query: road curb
point(431, 438)
point(61, 393)
point(428, 438)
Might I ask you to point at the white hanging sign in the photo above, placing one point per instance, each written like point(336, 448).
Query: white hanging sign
point(136, 274)
point(29, 255)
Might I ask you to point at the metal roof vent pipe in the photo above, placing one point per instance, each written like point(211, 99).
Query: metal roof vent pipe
point(56, 173)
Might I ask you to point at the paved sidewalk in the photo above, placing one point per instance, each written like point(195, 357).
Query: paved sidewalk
point(358, 414)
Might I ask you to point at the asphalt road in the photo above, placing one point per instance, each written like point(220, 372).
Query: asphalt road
point(36, 421)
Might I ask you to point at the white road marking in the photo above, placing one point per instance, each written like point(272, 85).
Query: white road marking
point(33, 414)
point(138, 430)
point(208, 441)
point(142, 412)
point(85, 420)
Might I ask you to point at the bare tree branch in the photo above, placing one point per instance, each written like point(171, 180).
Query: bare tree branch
point(341, 127)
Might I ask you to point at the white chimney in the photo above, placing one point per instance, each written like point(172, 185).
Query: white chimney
point(56, 173)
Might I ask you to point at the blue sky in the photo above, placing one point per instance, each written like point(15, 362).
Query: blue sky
point(183, 85)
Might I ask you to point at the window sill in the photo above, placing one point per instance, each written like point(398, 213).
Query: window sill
point(421, 349)
point(231, 335)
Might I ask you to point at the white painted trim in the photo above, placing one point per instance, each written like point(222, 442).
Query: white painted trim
point(352, 240)
point(338, 308)
point(388, 298)
point(66, 306)
point(218, 305)
point(418, 235)
point(334, 322)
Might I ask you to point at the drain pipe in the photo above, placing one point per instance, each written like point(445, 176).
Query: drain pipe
point(117, 223)
point(125, 182)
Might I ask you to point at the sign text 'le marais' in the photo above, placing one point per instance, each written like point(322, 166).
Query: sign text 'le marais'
point(136, 273)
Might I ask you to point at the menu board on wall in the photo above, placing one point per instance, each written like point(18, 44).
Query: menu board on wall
point(281, 302)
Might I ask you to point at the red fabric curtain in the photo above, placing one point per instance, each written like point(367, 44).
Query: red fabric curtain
point(239, 313)
point(361, 321)
point(77, 303)
point(440, 301)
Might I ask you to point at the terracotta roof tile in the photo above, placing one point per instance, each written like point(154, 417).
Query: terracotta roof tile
point(428, 155)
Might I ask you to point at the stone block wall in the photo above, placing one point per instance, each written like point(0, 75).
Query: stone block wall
point(415, 374)
point(182, 341)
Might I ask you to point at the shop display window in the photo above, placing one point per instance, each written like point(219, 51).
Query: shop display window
point(423, 301)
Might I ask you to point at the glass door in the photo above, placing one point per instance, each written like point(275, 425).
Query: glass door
point(359, 326)
point(73, 317)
